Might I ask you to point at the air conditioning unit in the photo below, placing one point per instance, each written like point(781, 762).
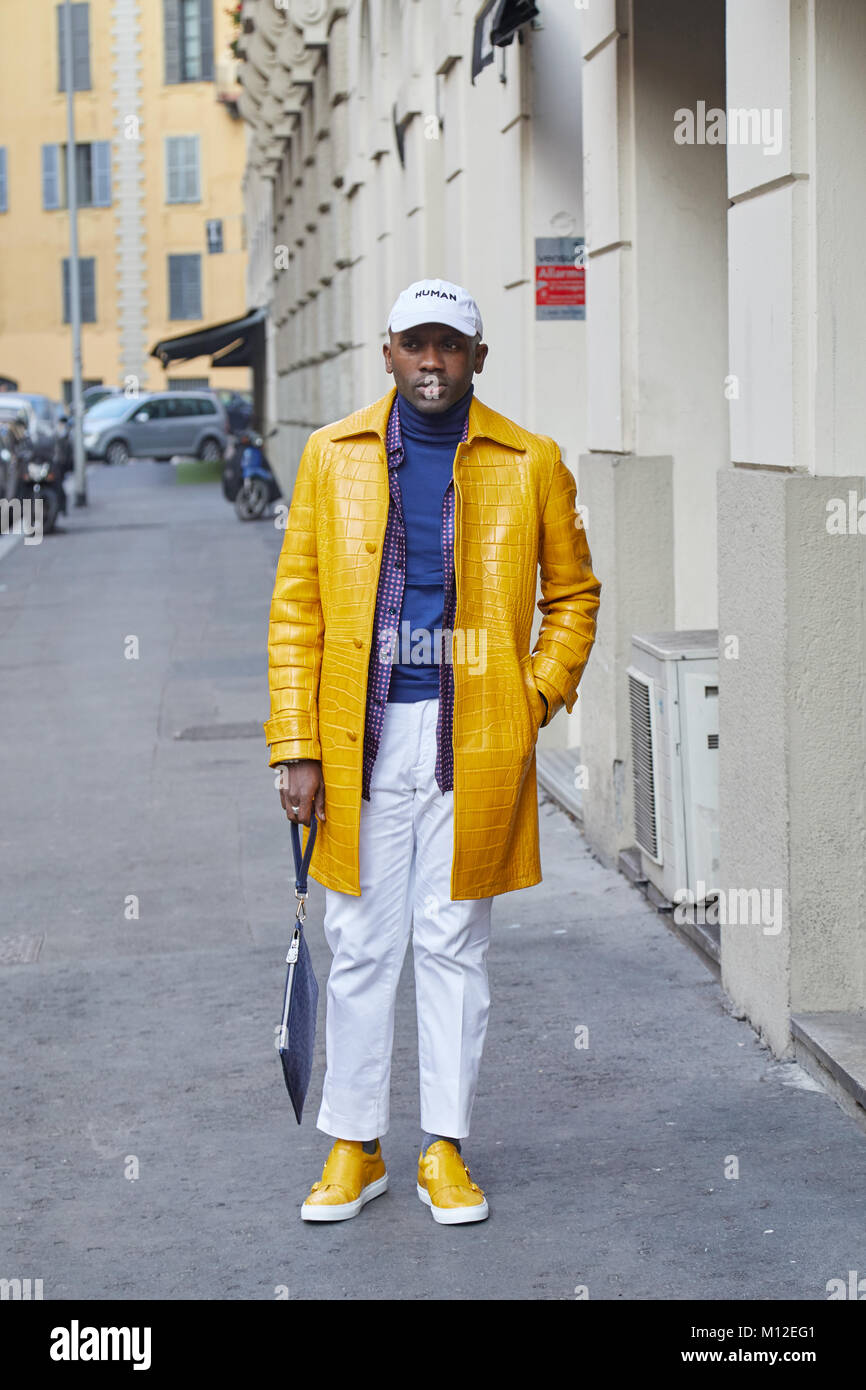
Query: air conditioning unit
point(674, 697)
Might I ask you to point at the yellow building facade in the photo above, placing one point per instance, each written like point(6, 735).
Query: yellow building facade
point(160, 156)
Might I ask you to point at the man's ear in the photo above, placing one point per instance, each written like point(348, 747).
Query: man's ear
point(481, 352)
point(386, 353)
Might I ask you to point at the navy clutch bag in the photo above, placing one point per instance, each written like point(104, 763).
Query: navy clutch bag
point(297, 1035)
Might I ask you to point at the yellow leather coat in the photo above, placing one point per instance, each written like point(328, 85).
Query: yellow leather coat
point(515, 510)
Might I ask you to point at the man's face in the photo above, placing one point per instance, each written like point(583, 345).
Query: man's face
point(433, 364)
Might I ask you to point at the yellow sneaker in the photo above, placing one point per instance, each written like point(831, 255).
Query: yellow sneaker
point(446, 1188)
point(350, 1178)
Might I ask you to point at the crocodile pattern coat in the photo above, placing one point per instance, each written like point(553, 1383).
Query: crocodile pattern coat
point(515, 512)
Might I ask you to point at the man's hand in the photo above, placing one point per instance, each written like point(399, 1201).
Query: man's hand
point(301, 787)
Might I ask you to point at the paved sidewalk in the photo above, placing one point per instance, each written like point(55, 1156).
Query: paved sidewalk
point(153, 1038)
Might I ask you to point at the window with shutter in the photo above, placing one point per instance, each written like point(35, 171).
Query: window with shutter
point(83, 180)
point(4, 181)
point(92, 175)
point(50, 176)
point(184, 287)
point(182, 169)
point(188, 37)
point(86, 288)
point(80, 48)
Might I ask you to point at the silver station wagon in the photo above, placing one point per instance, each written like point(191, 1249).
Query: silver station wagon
point(158, 425)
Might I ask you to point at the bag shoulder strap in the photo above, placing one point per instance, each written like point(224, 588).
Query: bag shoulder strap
point(302, 862)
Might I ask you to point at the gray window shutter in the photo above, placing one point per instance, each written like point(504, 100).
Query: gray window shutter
point(170, 170)
point(173, 176)
point(50, 176)
point(184, 287)
point(100, 170)
point(61, 52)
point(174, 305)
point(206, 11)
point(81, 48)
point(171, 39)
point(182, 169)
point(194, 158)
point(4, 182)
point(87, 288)
point(87, 278)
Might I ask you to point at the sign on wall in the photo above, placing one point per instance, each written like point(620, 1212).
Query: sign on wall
point(560, 277)
point(214, 232)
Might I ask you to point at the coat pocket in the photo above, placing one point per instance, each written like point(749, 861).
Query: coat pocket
point(535, 704)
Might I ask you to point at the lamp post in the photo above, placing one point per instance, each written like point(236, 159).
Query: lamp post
point(74, 274)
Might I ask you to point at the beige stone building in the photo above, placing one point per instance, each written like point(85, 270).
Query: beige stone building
point(160, 158)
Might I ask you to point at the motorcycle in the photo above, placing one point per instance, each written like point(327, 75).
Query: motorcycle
point(37, 480)
point(248, 480)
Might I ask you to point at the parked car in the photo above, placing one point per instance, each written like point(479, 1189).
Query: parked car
point(158, 425)
point(92, 395)
point(41, 425)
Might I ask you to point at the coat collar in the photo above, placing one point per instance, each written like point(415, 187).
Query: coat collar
point(484, 423)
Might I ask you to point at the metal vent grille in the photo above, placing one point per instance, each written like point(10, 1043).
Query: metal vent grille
point(712, 740)
point(646, 830)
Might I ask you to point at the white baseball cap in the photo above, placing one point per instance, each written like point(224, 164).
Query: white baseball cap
point(435, 301)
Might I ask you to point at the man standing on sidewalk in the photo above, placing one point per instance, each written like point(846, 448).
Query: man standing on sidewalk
point(405, 706)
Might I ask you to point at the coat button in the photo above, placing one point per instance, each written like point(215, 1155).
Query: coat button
point(353, 736)
point(357, 641)
point(371, 546)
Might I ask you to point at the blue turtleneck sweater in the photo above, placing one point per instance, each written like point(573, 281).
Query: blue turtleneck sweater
point(429, 445)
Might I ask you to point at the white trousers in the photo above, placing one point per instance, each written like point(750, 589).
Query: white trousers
point(406, 842)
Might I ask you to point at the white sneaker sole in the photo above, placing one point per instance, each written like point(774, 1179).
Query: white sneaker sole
point(453, 1216)
point(344, 1210)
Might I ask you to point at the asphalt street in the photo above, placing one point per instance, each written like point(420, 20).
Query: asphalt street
point(148, 1147)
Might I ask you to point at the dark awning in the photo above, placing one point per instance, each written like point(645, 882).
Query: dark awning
point(496, 26)
point(513, 15)
point(236, 343)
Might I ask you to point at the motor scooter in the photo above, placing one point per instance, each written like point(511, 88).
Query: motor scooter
point(256, 486)
point(38, 481)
